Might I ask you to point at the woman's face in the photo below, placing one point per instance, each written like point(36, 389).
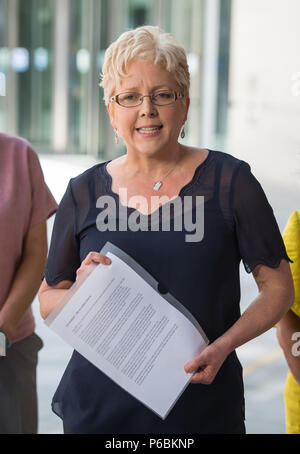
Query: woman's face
point(144, 77)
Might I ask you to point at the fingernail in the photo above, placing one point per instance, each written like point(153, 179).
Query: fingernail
point(107, 261)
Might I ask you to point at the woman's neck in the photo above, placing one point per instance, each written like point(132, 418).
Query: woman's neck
point(152, 166)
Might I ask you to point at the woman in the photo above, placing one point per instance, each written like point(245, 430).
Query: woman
point(146, 89)
point(25, 205)
point(288, 329)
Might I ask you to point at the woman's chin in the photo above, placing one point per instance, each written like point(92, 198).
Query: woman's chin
point(150, 148)
point(146, 149)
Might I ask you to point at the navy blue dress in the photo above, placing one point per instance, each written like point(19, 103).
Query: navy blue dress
point(239, 224)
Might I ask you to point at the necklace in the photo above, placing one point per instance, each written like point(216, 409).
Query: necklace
point(158, 184)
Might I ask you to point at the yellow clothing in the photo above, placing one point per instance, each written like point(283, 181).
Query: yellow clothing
point(292, 405)
point(291, 236)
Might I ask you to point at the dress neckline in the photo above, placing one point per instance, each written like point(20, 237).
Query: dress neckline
point(192, 181)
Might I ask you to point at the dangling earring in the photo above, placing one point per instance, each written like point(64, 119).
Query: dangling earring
point(182, 134)
point(117, 137)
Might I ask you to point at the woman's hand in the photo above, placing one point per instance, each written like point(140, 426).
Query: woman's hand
point(207, 364)
point(50, 296)
point(276, 295)
point(92, 258)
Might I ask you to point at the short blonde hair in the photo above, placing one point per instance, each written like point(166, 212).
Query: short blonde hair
point(145, 43)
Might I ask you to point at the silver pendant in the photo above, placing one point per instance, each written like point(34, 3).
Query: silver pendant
point(157, 185)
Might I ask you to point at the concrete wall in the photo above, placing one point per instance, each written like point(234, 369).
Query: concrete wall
point(264, 112)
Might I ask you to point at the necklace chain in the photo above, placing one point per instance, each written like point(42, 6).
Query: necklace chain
point(158, 184)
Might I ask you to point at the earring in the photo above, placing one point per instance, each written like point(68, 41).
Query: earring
point(117, 137)
point(182, 134)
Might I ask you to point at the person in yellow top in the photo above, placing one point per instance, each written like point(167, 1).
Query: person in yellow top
point(288, 329)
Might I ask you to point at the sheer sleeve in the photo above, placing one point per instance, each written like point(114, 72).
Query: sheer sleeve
point(64, 258)
point(257, 231)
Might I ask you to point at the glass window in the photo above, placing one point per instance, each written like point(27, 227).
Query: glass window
point(223, 73)
point(28, 61)
point(79, 68)
point(104, 125)
point(33, 64)
point(139, 12)
point(3, 21)
point(184, 21)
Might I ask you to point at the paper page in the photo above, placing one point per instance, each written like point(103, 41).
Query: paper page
point(130, 332)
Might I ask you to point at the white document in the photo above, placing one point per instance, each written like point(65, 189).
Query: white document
point(117, 320)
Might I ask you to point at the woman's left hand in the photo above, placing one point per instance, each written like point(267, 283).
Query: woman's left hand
point(207, 364)
point(276, 295)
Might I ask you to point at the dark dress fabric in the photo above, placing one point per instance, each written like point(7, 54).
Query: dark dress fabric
point(239, 224)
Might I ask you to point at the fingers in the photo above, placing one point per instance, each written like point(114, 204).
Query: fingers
point(203, 373)
point(193, 365)
point(206, 366)
point(204, 376)
point(93, 257)
point(96, 257)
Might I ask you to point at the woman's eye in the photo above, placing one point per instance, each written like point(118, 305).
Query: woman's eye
point(130, 97)
point(164, 95)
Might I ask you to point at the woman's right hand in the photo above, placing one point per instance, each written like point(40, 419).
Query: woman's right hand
point(50, 296)
point(92, 258)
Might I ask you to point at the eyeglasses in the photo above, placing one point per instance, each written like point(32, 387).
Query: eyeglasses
point(159, 98)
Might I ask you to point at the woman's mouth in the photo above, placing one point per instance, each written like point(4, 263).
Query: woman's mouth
point(149, 131)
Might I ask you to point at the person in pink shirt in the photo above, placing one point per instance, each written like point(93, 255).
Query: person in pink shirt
point(25, 205)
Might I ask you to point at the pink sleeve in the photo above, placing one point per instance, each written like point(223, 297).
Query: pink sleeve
point(43, 204)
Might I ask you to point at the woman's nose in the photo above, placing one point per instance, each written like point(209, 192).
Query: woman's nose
point(148, 108)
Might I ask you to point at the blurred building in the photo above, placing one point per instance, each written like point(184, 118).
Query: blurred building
point(51, 54)
point(264, 112)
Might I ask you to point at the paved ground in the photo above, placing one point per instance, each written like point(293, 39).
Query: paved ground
point(264, 366)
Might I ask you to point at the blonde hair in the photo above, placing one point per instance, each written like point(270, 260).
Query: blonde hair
point(145, 43)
